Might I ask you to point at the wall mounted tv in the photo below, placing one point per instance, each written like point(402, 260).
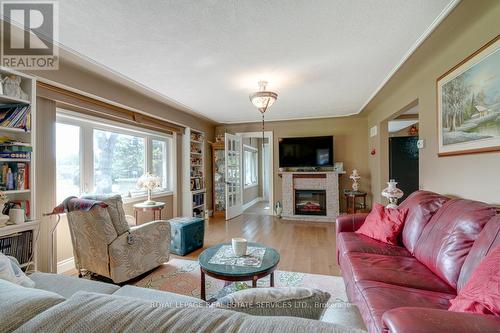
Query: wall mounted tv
point(312, 152)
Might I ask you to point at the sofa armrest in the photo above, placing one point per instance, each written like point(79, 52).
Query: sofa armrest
point(426, 320)
point(350, 223)
point(143, 248)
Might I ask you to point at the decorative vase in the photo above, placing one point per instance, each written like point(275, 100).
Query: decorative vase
point(278, 209)
point(355, 177)
point(392, 193)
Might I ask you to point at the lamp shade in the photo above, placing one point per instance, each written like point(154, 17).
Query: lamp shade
point(263, 98)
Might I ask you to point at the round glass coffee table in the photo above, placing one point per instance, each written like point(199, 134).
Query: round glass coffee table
point(233, 273)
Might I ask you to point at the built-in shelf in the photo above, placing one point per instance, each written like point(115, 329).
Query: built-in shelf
point(14, 129)
point(4, 99)
point(194, 201)
point(15, 160)
point(16, 191)
point(12, 228)
point(26, 139)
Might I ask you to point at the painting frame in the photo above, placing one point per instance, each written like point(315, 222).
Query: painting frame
point(461, 141)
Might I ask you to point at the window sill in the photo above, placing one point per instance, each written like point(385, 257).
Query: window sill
point(245, 187)
point(145, 197)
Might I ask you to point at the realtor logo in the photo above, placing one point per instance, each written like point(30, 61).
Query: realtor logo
point(28, 32)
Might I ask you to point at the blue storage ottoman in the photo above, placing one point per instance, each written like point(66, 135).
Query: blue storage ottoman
point(187, 234)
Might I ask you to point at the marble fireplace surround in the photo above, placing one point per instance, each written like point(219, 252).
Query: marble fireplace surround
point(328, 181)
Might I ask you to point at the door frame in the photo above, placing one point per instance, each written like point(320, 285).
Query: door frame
point(238, 208)
point(269, 136)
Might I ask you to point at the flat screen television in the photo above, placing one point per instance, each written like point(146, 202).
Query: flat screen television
point(314, 152)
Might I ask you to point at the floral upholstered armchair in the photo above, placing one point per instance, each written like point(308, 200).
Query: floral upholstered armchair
point(104, 243)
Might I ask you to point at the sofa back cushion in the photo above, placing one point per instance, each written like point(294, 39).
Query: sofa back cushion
point(19, 304)
point(422, 205)
point(448, 237)
point(109, 313)
point(488, 239)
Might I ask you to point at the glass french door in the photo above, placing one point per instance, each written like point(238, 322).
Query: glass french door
point(234, 205)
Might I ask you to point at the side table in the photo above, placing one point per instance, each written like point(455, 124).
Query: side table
point(157, 207)
point(350, 200)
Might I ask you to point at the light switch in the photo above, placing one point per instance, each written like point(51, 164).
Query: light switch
point(420, 144)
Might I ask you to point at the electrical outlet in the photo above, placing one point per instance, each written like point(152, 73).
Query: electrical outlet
point(420, 144)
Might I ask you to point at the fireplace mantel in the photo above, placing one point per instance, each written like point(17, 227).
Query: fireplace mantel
point(310, 180)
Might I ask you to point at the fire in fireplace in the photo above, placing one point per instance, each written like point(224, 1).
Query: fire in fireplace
point(310, 202)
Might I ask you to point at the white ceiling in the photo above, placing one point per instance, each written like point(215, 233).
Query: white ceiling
point(324, 57)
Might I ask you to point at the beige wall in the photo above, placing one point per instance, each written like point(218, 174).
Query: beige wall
point(471, 25)
point(350, 147)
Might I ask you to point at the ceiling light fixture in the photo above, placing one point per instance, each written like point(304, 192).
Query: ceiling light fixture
point(262, 100)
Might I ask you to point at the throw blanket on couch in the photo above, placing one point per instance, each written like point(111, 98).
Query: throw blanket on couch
point(71, 204)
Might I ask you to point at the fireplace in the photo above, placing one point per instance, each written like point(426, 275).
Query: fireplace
point(310, 202)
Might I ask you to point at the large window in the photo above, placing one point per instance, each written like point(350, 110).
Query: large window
point(108, 159)
point(68, 161)
point(118, 162)
point(251, 160)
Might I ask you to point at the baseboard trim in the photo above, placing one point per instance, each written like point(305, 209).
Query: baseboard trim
point(251, 203)
point(65, 265)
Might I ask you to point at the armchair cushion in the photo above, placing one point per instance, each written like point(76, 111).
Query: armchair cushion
point(115, 210)
point(91, 233)
point(145, 247)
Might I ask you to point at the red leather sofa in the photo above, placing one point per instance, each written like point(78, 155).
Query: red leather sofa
point(408, 288)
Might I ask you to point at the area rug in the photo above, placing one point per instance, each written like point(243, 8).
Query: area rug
point(183, 277)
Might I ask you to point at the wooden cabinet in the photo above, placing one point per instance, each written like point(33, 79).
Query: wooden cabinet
point(219, 183)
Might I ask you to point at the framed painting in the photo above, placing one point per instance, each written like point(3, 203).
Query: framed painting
point(468, 103)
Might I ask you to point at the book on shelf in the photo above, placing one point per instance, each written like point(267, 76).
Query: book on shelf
point(15, 116)
point(18, 245)
point(198, 199)
point(196, 184)
point(15, 155)
point(14, 176)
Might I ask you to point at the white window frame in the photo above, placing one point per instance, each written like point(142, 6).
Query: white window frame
point(253, 150)
point(87, 126)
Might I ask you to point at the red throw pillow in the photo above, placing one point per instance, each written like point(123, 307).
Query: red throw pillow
point(481, 294)
point(384, 224)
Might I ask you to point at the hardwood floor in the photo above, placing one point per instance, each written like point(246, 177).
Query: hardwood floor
point(303, 246)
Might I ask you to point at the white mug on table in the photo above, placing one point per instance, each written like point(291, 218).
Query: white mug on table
point(239, 246)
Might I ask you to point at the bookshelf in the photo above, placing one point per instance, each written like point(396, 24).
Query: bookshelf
point(194, 180)
point(17, 167)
